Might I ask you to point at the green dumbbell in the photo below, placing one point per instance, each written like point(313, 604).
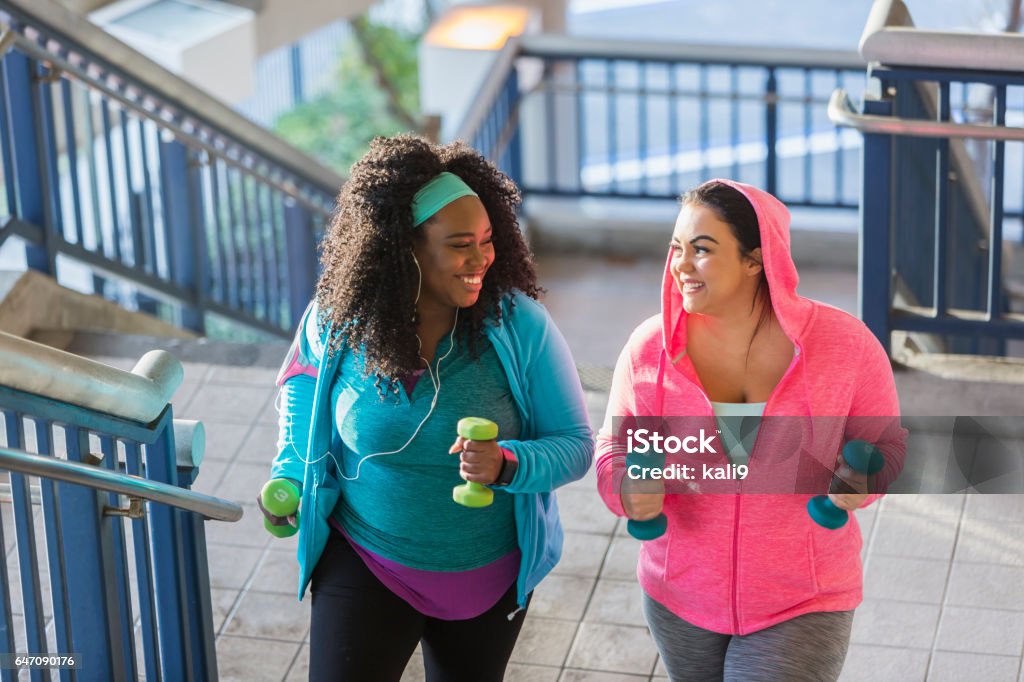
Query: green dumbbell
point(280, 497)
point(471, 494)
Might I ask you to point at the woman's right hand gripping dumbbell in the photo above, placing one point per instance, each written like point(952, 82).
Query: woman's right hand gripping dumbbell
point(279, 501)
point(643, 502)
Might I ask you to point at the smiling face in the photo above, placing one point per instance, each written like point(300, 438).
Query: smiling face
point(454, 250)
point(707, 265)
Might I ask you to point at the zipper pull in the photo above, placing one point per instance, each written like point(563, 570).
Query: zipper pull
point(513, 614)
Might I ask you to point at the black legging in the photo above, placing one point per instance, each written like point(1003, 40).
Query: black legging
point(362, 632)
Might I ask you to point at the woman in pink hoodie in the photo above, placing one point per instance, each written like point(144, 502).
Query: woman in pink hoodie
point(744, 586)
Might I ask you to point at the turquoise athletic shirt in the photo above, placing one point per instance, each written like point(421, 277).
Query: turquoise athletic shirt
point(738, 424)
point(400, 506)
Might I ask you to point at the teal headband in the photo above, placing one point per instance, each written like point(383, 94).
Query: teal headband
point(436, 194)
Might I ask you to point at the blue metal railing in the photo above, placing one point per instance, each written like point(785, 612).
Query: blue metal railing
point(186, 209)
point(617, 119)
point(926, 236)
point(113, 575)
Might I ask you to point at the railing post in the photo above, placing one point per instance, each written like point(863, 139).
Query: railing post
point(197, 593)
point(873, 258)
point(168, 557)
point(181, 197)
point(29, 166)
point(515, 151)
point(302, 262)
point(91, 590)
point(771, 132)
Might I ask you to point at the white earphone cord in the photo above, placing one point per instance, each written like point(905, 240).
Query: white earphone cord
point(434, 381)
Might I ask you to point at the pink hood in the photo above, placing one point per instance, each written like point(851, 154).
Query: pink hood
point(792, 311)
point(737, 563)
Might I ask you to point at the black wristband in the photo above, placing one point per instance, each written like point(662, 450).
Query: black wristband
point(507, 473)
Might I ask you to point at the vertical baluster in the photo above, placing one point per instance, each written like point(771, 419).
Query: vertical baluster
point(167, 560)
point(135, 207)
point(71, 143)
point(675, 153)
point(581, 124)
point(209, 233)
point(515, 156)
point(182, 204)
point(613, 103)
point(253, 248)
point(941, 209)
point(642, 124)
point(149, 234)
point(33, 203)
point(280, 248)
point(55, 552)
point(108, 145)
point(995, 241)
point(28, 565)
point(734, 120)
point(549, 125)
point(271, 281)
point(6, 619)
point(144, 575)
point(119, 565)
point(808, 132)
point(6, 150)
point(771, 131)
point(49, 152)
point(874, 257)
point(244, 271)
point(222, 209)
point(840, 152)
point(705, 122)
point(94, 187)
point(301, 264)
point(86, 540)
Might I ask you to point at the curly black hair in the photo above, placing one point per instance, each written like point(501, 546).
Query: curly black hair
point(367, 288)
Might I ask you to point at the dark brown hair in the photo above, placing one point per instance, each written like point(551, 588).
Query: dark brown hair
point(733, 208)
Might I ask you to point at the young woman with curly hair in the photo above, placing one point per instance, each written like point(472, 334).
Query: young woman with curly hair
point(425, 313)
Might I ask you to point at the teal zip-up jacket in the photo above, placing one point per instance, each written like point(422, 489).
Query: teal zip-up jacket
point(556, 445)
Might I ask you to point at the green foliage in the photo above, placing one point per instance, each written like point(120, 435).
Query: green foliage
point(337, 126)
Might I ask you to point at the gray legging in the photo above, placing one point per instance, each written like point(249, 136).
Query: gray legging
point(808, 648)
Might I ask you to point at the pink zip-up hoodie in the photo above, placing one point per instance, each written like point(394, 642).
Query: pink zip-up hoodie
point(738, 563)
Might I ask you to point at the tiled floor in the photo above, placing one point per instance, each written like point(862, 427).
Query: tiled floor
point(944, 575)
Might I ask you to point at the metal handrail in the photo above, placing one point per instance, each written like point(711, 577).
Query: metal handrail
point(842, 113)
point(140, 395)
point(124, 484)
point(185, 132)
point(570, 47)
point(890, 38)
point(493, 81)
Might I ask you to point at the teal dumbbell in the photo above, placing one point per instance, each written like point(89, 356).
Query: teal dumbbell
point(651, 529)
point(860, 456)
point(471, 494)
point(281, 498)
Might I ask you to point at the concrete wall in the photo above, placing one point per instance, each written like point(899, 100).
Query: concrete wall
point(30, 301)
point(278, 22)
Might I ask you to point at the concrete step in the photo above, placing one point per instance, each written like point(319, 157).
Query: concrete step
point(133, 346)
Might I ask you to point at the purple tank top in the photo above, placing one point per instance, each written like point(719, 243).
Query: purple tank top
point(458, 595)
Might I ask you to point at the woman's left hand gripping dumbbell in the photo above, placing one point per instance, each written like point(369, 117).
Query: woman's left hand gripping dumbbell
point(480, 463)
point(279, 501)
